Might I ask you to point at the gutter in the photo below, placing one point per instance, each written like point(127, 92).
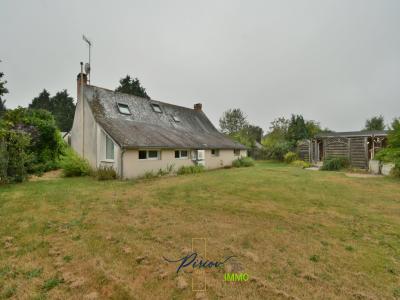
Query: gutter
point(122, 163)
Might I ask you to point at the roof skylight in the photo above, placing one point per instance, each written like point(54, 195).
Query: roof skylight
point(156, 107)
point(123, 109)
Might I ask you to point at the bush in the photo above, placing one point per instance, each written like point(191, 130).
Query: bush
point(105, 173)
point(258, 153)
point(148, 175)
point(290, 157)
point(396, 170)
point(300, 164)
point(45, 143)
point(392, 152)
point(190, 169)
point(168, 170)
point(276, 151)
point(243, 162)
point(388, 155)
point(14, 159)
point(73, 165)
point(335, 163)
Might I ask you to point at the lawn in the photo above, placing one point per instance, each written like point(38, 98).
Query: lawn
point(298, 235)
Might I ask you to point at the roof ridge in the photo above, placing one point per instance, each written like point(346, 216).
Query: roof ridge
point(163, 102)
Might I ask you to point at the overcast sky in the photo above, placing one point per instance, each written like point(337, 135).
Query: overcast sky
point(337, 62)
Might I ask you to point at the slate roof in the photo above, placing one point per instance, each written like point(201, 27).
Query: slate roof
point(145, 128)
point(353, 133)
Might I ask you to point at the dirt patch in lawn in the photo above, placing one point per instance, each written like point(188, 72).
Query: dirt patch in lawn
point(51, 175)
point(363, 175)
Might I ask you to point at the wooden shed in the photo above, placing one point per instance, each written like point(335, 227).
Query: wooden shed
point(358, 146)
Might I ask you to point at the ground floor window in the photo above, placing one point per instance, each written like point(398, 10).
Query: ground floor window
point(236, 152)
point(181, 154)
point(214, 152)
point(109, 148)
point(149, 154)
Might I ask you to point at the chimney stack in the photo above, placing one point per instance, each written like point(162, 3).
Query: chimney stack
point(198, 107)
point(81, 79)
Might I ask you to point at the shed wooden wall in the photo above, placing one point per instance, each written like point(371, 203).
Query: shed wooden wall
point(354, 148)
point(359, 152)
point(303, 150)
point(336, 147)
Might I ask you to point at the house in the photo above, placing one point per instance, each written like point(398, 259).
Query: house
point(358, 146)
point(135, 135)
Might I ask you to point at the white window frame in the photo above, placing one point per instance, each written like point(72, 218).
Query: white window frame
point(216, 154)
point(123, 106)
point(180, 154)
point(147, 154)
point(108, 139)
point(236, 152)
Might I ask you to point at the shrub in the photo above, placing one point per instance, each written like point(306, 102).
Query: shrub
point(388, 155)
point(148, 175)
point(290, 157)
point(276, 151)
point(396, 171)
point(168, 170)
point(243, 162)
point(45, 143)
point(300, 164)
point(73, 165)
point(335, 163)
point(258, 154)
point(14, 157)
point(392, 152)
point(105, 173)
point(190, 169)
point(3, 161)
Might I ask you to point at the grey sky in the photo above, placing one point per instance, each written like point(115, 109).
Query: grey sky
point(337, 62)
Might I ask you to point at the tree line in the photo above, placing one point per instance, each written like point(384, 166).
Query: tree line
point(282, 135)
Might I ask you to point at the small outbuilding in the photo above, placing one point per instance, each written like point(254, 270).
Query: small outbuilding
point(358, 146)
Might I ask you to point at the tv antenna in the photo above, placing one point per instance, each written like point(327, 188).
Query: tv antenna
point(88, 65)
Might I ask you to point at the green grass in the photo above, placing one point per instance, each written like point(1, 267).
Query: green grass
point(298, 233)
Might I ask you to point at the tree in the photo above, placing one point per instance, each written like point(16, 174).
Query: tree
point(3, 90)
point(42, 101)
point(275, 141)
point(61, 106)
point(394, 134)
point(63, 109)
point(232, 121)
point(297, 129)
point(313, 128)
point(277, 131)
point(132, 86)
point(248, 135)
point(254, 132)
point(375, 123)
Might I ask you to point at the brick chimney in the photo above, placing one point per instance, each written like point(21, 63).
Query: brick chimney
point(198, 107)
point(80, 76)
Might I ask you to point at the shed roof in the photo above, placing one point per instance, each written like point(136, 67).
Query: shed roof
point(353, 133)
point(146, 128)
